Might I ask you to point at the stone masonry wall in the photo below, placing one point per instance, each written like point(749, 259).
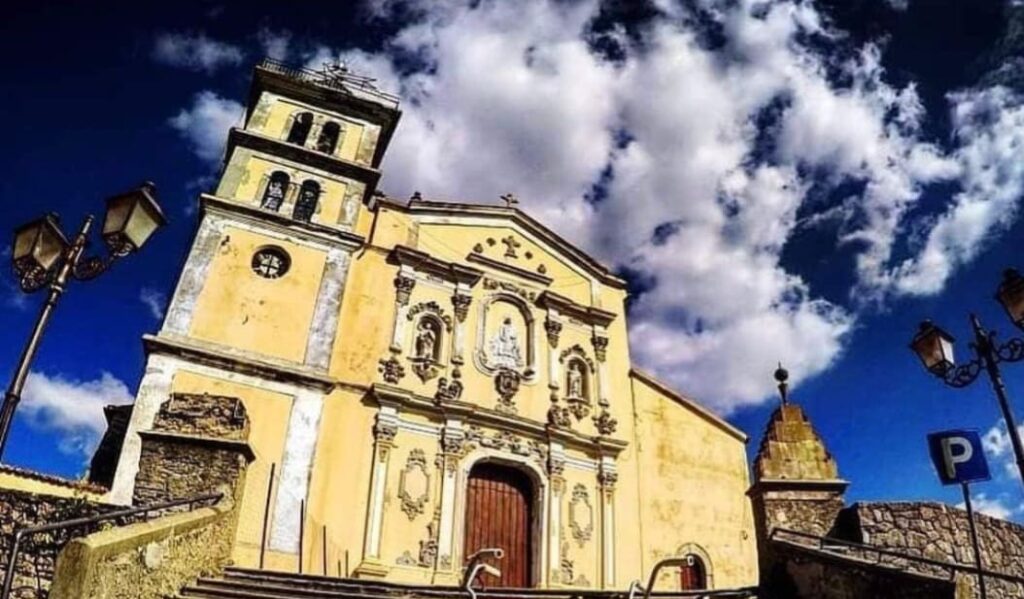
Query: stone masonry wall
point(804, 573)
point(940, 532)
point(35, 565)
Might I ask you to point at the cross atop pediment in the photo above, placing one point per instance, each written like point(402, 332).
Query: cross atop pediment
point(510, 200)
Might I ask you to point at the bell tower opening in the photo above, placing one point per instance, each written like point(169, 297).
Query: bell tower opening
point(499, 514)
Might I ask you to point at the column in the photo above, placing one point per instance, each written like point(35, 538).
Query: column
point(404, 284)
point(556, 470)
point(327, 309)
point(452, 446)
point(384, 432)
point(460, 304)
point(607, 476)
point(296, 469)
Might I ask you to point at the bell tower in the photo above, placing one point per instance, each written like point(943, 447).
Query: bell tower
point(255, 313)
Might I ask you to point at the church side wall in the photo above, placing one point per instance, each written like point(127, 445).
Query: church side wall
point(694, 477)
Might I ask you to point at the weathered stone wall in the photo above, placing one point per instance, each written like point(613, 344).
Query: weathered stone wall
point(940, 532)
point(804, 573)
point(197, 446)
point(147, 560)
point(35, 565)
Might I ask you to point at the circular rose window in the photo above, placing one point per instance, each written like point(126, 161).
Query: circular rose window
point(271, 262)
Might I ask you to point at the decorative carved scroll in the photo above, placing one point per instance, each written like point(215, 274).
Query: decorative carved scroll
point(431, 308)
point(581, 515)
point(391, 370)
point(403, 289)
point(506, 382)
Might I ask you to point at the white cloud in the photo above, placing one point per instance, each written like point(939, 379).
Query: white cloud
point(997, 507)
point(72, 408)
point(195, 52)
point(275, 44)
point(512, 97)
point(206, 123)
point(154, 300)
point(997, 443)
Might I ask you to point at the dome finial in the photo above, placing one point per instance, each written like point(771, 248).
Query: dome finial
point(782, 376)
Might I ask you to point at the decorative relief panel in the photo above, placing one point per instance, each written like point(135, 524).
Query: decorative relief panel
point(526, 294)
point(507, 385)
point(414, 484)
point(505, 441)
point(505, 336)
point(391, 370)
point(449, 390)
point(431, 308)
point(581, 515)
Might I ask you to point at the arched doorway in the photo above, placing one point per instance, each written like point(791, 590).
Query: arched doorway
point(499, 513)
point(693, 576)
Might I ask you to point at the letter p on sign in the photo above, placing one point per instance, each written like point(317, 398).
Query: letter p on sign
point(958, 456)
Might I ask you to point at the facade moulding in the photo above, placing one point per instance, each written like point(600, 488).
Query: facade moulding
point(522, 273)
point(422, 262)
point(301, 155)
point(402, 400)
point(219, 357)
point(321, 235)
point(430, 211)
point(565, 306)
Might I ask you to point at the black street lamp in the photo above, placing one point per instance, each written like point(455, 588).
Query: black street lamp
point(42, 257)
point(934, 347)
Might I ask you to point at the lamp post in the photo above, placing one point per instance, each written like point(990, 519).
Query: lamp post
point(43, 257)
point(934, 347)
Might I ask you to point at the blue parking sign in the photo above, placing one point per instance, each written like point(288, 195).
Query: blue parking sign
point(958, 456)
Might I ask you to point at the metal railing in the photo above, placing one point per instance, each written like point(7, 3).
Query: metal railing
point(831, 544)
point(144, 511)
point(345, 82)
point(670, 562)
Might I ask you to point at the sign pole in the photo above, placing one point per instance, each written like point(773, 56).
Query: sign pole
point(974, 537)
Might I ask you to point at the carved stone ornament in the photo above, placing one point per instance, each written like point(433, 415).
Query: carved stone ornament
point(556, 466)
point(600, 347)
point(506, 382)
point(414, 484)
point(449, 391)
point(559, 416)
point(403, 289)
point(428, 547)
point(581, 515)
point(511, 245)
point(460, 303)
point(391, 370)
point(505, 441)
point(553, 328)
point(577, 352)
point(578, 407)
point(406, 559)
point(425, 368)
point(430, 308)
point(491, 284)
point(607, 479)
point(384, 432)
point(604, 423)
point(445, 562)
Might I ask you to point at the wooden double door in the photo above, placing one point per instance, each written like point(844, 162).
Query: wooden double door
point(499, 513)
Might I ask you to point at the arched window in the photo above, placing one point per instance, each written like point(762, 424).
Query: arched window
point(693, 576)
point(300, 128)
point(427, 346)
point(328, 138)
point(305, 206)
point(273, 195)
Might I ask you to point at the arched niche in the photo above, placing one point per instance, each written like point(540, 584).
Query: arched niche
point(506, 337)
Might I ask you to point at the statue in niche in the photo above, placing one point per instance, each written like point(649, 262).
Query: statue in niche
point(504, 346)
point(350, 212)
point(426, 340)
point(575, 379)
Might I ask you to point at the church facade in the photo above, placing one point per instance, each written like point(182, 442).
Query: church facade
point(426, 379)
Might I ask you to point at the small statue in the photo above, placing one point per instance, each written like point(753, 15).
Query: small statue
point(575, 380)
point(426, 341)
point(505, 350)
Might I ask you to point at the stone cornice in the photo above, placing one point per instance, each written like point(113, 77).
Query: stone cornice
point(219, 357)
point(835, 486)
point(564, 305)
point(510, 269)
point(423, 262)
point(211, 204)
point(474, 414)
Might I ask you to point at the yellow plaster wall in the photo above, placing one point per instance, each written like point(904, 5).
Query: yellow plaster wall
point(245, 311)
point(693, 480)
point(268, 424)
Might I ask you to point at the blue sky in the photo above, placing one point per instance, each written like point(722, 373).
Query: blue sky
point(784, 180)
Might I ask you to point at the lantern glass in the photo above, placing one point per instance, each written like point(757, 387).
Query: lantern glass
point(131, 219)
point(38, 245)
point(934, 347)
point(1011, 296)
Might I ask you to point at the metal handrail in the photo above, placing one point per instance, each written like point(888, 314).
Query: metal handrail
point(363, 84)
point(822, 541)
point(73, 523)
point(476, 565)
